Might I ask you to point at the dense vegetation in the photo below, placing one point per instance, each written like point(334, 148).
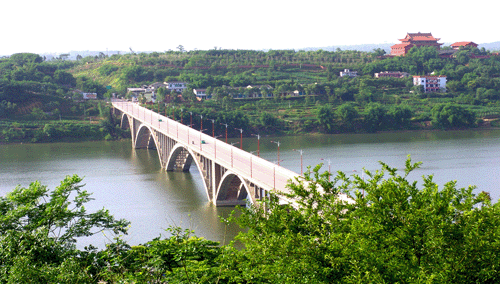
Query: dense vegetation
point(388, 231)
point(34, 89)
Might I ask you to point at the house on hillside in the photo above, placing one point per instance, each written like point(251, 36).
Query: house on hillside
point(348, 73)
point(176, 86)
point(392, 74)
point(201, 94)
point(431, 83)
point(89, 96)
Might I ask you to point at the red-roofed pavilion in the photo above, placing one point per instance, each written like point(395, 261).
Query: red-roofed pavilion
point(459, 44)
point(414, 39)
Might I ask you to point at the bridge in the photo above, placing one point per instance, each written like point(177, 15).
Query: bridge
point(230, 175)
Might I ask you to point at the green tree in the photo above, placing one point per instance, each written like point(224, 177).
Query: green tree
point(380, 228)
point(452, 116)
point(400, 116)
point(375, 118)
point(39, 228)
point(347, 115)
point(326, 118)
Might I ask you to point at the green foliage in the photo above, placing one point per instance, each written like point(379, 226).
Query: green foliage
point(379, 228)
point(347, 115)
point(375, 118)
point(387, 230)
point(326, 117)
point(64, 78)
point(107, 69)
point(39, 228)
point(452, 116)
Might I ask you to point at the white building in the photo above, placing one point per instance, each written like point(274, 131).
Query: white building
point(201, 94)
point(431, 83)
point(176, 86)
point(392, 74)
point(89, 96)
point(349, 73)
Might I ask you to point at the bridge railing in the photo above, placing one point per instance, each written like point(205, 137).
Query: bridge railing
point(260, 171)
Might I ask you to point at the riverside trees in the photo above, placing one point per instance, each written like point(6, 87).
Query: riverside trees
point(390, 231)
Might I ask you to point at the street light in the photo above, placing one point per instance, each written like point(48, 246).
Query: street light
point(213, 127)
point(201, 122)
point(300, 151)
point(278, 143)
point(241, 137)
point(258, 144)
point(226, 129)
point(201, 131)
point(232, 152)
point(182, 110)
point(191, 119)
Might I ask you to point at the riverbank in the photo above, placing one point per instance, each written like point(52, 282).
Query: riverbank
point(59, 131)
point(54, 131)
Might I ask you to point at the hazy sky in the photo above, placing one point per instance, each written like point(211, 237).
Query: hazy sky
point(63, 26)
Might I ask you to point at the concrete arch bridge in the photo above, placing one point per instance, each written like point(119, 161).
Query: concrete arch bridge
point(230, 175)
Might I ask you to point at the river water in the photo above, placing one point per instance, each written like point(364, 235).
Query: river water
point(131, 184)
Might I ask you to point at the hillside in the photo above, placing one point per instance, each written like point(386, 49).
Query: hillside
point(296, 91)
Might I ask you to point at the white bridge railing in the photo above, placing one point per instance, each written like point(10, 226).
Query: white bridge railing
point(257, 170)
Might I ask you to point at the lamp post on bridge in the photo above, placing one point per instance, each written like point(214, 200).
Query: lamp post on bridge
point(232, 152)
point(258, 144)
point(226, 129)
point(241, 137)
point(278, 143)
point(182, 110)
point(201, 131)
point(215, 146)
point(191, 119)
point(300, 151)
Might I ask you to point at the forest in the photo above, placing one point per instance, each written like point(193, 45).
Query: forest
point(308, 95)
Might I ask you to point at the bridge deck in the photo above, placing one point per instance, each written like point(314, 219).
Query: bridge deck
point(261, 172)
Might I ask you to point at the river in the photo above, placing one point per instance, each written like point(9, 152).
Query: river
point(131, 184)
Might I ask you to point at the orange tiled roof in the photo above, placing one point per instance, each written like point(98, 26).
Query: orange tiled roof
point(462, 43)
point(401, 45)
point(419, 36)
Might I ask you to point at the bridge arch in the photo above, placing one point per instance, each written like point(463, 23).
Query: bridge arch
point(125, 122)
point(179, 159)
point(232, 190)
point(145, 138)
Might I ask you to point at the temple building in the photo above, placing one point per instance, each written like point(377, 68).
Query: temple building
point(461, 44)
point(414, 39)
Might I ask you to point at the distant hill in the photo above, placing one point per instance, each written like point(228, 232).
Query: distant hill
point(82, 53)
point(493, 46)
point(359, 47)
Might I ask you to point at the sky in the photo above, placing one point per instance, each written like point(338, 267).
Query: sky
point(55, 26)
